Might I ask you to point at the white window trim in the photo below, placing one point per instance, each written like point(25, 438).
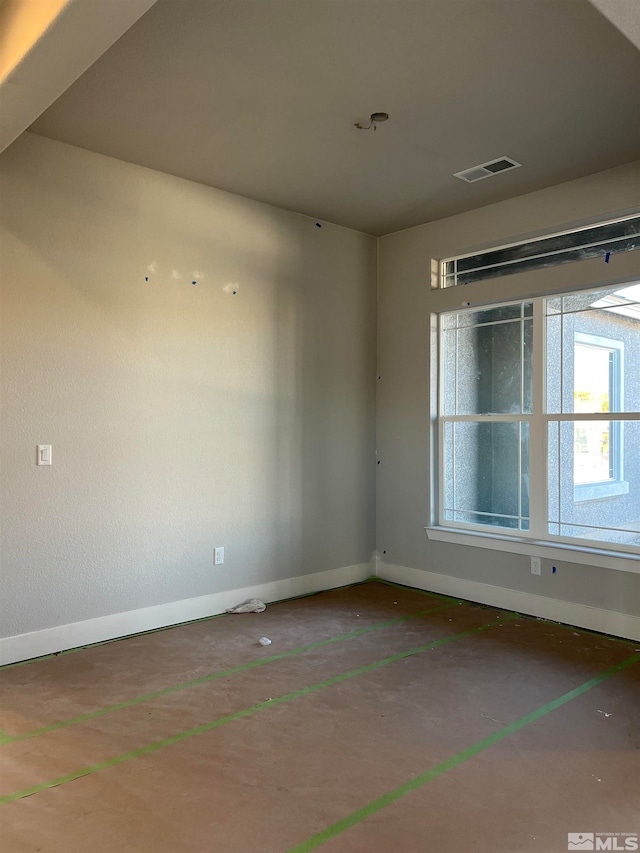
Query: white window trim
point(559, 551)
point(536, 541)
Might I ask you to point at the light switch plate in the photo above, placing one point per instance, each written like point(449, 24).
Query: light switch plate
point(44, 454)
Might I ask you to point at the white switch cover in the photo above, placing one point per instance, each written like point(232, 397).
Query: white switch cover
point(44, 454)
point(219, 557)
point(536, 566)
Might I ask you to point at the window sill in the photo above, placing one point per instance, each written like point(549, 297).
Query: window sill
point(605, 559)
point(600, 491)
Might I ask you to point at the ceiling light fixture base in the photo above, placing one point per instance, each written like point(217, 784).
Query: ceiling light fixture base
point(374, 120)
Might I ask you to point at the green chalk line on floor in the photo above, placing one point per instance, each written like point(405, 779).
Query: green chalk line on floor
point(418, 781)
point(205, 679)
point(247, 712)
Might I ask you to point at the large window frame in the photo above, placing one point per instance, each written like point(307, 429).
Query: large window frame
point(538, 423)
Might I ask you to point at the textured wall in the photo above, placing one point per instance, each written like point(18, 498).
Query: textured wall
point(181, 417)
point(405, 305)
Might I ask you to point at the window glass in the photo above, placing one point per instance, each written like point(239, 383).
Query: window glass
point(583, 439)
point(487, 362)
point(488, 467)
point(594, 505)
point(592, 357)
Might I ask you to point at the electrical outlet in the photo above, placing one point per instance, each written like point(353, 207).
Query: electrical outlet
point(218, 556)
point(536, 566)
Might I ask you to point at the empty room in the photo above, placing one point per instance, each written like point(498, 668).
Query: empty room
point(320, 426)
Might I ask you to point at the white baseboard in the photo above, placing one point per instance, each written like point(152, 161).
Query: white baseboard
point(580, 615)
point(37, 643)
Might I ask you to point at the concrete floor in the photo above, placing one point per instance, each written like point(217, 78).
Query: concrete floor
point(380, 719)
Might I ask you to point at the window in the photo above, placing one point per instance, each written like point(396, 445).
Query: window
point(597, 387)
point(539, 419)
point(602, 240)
point(487, 407)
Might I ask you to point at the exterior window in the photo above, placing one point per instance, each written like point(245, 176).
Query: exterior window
point(597, 387)
point(622, 235)
point(487, 407)
point(539, 415)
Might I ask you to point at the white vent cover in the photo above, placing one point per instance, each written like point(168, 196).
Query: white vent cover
point(487, 170)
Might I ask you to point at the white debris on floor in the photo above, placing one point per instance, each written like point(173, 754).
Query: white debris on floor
point(252, 605)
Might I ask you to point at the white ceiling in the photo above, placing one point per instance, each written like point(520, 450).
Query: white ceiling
point(259, 97)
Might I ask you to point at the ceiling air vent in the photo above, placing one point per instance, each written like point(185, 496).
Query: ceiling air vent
point(486, 170)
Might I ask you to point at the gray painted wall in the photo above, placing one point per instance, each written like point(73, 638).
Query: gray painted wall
point(181, 417)
point(404, 352)
point(186, 417)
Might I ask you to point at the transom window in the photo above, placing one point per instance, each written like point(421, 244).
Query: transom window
point(601, 240)
point(539, 418)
